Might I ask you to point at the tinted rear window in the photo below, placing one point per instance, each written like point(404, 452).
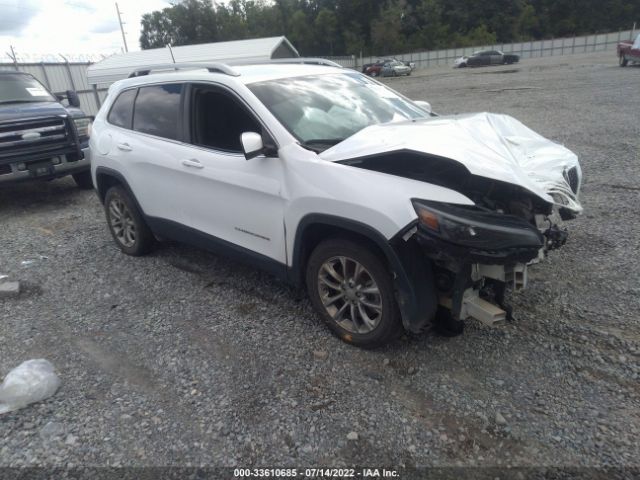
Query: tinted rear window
point(157, 110)
point(122, 110)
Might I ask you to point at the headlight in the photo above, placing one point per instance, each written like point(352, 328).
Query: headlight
point(82, 126)
point(475, 228)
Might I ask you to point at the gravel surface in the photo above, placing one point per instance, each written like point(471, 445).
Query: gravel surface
point(185, 358)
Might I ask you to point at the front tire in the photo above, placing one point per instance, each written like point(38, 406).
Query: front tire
point(126, 224)
point(83, 180)
point(352, 290)
point(374, 74)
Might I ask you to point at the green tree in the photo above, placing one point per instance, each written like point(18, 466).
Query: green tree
point(528, 25)
point(323, 27)
point(326, 25)
point(386, 30)
point(300, 33)
point(354, 40)
point(187, 22)
point(432, 32)
point(157, 30)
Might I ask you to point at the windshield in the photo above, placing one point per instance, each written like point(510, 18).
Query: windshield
point(18, 88)
point(322, 110)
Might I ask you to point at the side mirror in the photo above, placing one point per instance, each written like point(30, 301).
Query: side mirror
point(72, 96)
point(426, 106)
point(252, 144)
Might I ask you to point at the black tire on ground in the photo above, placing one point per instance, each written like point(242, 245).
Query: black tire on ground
point(374, 74)
point(83, 180)
point(122, 213)
point(623, 61)
point(388, 326)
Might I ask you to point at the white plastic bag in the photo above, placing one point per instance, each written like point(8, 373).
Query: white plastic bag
point(30, 382)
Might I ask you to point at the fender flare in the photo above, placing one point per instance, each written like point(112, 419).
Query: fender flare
point(109, 172)
point(410, 269)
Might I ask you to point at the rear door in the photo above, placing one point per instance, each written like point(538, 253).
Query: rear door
point(230, 198)
point(151, 150)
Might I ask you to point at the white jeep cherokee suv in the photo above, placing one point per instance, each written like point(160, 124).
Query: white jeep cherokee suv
point(390, 215)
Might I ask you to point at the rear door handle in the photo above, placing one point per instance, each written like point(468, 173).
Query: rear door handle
point(124, 147)
point(192, 163)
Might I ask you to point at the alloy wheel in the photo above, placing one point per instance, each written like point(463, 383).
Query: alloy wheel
point(350, 294)
point(122, 223)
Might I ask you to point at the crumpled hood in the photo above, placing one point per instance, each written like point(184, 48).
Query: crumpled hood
point(488, 145)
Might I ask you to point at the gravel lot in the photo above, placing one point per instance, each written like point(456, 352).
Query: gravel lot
point(188, 359)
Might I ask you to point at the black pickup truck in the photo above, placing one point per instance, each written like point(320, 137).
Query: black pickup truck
point(39, 137)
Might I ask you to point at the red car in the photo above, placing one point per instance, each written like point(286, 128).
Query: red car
point(629, 51)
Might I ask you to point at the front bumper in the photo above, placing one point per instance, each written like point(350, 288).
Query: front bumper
point(46, 169)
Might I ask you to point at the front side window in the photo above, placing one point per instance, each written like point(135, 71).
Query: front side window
point(218, 120)
point(20, 88)
point(323, 110)
point(121, 113)
point(157, 110)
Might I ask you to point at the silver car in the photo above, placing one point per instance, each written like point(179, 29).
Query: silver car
point(395, 68)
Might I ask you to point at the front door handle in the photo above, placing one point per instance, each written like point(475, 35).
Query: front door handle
point(124, 147)
point(192, 163)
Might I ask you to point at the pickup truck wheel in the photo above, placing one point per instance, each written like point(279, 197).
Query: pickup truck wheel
point(374, 74)
point(83, 180)
point(352, 290)
point(623, 61)
point(128, 228)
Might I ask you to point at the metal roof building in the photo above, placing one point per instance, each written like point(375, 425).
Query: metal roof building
point(254, 50)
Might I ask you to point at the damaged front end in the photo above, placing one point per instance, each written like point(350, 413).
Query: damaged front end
point(478, 253)
point(523, 187)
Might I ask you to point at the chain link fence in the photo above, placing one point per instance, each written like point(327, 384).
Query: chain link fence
point(533, 49)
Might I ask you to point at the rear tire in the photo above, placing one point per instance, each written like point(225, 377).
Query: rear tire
point(126, 224)
point(623, 61)
point(83, 180)
point(374, 74)
point(352, 291)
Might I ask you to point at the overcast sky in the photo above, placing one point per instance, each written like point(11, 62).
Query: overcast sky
point(38, 28)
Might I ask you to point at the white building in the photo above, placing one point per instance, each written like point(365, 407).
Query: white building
point(254, 50)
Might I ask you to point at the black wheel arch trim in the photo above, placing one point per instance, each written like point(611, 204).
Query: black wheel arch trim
point(411, 270)
point(109, 172)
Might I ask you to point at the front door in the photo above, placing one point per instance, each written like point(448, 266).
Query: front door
point(232, 199)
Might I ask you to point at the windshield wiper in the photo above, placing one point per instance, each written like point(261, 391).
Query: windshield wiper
point(23, 101)
point(322, 144)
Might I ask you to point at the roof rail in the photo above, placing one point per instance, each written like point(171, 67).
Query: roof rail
point(211, 67)
point(308, 61)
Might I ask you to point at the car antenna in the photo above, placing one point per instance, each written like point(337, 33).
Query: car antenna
point(171, 52)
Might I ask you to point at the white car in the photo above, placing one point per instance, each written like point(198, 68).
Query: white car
point(391, 217)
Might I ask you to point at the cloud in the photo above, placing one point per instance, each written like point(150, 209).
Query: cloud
point(81, 5)
point(106, 26)
point(16, 15)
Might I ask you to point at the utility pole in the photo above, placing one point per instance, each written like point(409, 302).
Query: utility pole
point(124, 38)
